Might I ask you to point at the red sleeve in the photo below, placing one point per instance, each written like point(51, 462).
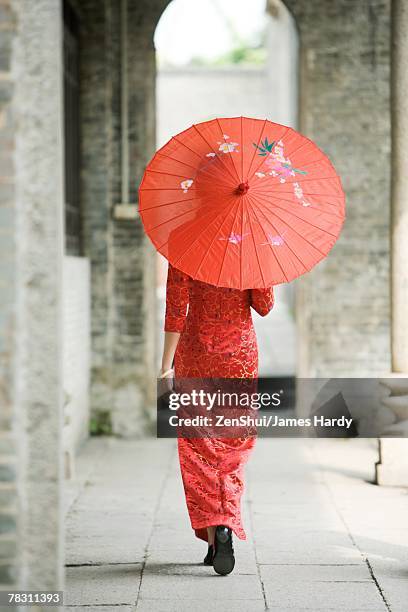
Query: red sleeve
point(176, 300)
point(262, 300)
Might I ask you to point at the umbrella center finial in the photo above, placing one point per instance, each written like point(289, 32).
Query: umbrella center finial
point(243, 188)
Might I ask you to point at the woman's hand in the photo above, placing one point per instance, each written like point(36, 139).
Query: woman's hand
point(166, 383)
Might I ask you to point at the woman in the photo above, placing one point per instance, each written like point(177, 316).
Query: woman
point(216, 339)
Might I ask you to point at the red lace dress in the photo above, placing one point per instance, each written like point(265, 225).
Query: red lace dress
point(217, 340)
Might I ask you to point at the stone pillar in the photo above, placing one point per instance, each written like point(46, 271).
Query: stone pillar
point(343, 304)
point(392, 468)
point(31, 249)
point(118, 138)
point(282, 64)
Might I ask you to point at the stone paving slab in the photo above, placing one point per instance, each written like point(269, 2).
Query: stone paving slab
point(297, 517)
point(202, 584)
point(93, 608)
point(319, 595)
point(322, 587)
point(111, 520)
point(315, 573)
point(103, 585)
point(200, 605)
point(327, 608)
point(97, 551)
point(269, 554)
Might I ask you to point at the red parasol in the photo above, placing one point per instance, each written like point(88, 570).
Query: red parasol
point(243, 203)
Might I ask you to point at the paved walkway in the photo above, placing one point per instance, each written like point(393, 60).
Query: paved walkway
point(320, 535)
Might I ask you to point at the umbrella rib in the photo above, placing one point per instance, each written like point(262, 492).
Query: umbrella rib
point(206, 169)
point(311, 207)
point(279, 233)
point(325, 212)
point(226, 247)
point(199, 156)
point(212, 149)
point(166, 241)
point(289, 247)
point(142, 210)
point(263, 159)
point(303, 238)
point(203, 199)
point(332, 195)
point(187, 147)
point(316, 161)
point(242, 152)
point(312, 178)
point(303, 144)
point(257, 144)
point(209, 166)
point(174, 189)
point(213, 240)
point(195, 240)
point(256, 249)
point(267, 239)
point(172, 218)
point(297, 217)
point(229, 152)
point(241, 243)
point(301, 218)
point(324, 156)
point(219, 183)
point(179, 176)
point(177, 160)
point(167, 173)
point(198, 169)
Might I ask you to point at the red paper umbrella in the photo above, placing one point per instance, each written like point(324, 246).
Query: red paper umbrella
point(242, 203)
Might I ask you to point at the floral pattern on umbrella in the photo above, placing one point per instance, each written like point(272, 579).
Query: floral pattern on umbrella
point(279, 165)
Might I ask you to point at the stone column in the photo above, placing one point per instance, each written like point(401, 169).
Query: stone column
point(31, 249)
point(392, 468)
point(343, 304)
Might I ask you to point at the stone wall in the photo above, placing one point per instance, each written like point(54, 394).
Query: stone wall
point(8, 256)
point(122, 260)
point(343, 305)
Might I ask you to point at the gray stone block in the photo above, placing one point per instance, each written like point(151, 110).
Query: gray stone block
point(102, 585)
point(7, 523)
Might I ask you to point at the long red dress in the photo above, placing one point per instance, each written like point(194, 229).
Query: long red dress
point(217, 340)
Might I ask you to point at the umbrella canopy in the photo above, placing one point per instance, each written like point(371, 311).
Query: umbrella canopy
point(242, 203)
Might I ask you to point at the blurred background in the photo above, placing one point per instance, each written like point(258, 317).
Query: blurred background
point(88, 90)
point(219, 59)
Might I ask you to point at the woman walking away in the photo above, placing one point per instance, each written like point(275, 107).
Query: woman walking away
point(209, 334)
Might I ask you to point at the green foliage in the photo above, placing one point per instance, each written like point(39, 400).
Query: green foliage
point(265, 147)
point(238, 56)
point(100, 424)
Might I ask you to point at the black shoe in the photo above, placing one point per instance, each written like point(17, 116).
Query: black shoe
point(223, 560)
point(208, 559)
